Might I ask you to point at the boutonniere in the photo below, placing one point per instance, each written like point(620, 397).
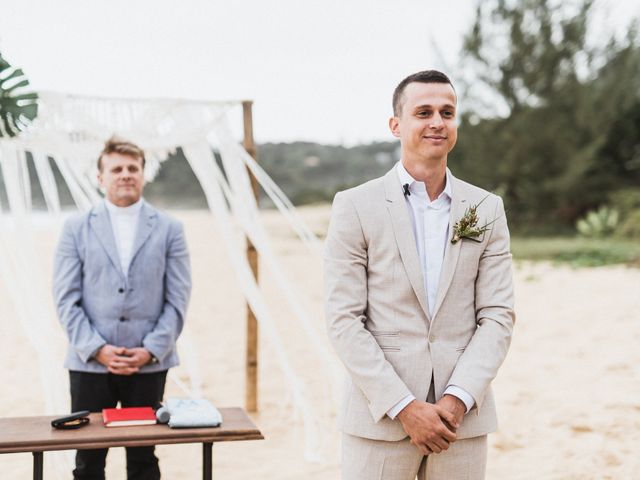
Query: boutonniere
point(467, 227)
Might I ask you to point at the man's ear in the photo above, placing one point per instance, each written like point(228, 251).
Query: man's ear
point(100, 185)
point(394, 126)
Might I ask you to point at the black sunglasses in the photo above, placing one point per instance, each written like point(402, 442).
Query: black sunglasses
point(75, 420)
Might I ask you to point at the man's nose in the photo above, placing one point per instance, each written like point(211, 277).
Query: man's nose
point(436, 121)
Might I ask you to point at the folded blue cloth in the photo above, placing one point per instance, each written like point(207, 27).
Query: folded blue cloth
point(189, 413)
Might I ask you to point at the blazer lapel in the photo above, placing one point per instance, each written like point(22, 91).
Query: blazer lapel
point(101, 224)
point(146, 222)
point(403, 232)
point(452, 250)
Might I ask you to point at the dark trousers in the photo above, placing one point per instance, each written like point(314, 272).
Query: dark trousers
point(95, 391)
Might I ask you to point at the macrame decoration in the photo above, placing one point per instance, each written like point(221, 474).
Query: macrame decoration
point(69, 131)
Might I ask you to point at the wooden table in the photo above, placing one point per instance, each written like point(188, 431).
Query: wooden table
point(35, 434)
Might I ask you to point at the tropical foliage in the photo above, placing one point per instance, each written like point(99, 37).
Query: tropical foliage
point(18, 106)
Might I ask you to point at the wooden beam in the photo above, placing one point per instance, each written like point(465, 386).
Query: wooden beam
point(251, 384)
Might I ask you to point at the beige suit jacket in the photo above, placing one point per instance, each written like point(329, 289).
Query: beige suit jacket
point(377, 312)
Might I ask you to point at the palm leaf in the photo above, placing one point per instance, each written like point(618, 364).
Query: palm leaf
point(18, 106)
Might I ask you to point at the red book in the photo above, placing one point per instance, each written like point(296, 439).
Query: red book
point(126, 417)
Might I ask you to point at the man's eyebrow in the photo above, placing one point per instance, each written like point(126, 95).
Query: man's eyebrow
point(446, 105)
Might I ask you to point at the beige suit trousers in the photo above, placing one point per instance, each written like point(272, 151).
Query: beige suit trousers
point(365, 459)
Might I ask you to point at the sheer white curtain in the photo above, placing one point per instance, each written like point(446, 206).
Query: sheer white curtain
point(70, 130)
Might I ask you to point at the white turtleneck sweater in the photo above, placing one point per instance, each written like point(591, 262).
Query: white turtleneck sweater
point(124, 222)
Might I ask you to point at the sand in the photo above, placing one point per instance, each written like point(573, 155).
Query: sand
point(568, 394)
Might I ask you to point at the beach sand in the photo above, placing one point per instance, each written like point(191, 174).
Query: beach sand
point(568, 394)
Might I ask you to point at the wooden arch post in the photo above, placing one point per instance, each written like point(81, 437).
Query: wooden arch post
point(251, 383)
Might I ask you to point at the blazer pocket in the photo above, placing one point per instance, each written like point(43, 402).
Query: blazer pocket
point(388, 341)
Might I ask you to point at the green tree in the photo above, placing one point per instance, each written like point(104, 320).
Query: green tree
point(546, 138)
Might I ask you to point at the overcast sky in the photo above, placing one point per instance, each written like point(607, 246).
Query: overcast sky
point(317, 70)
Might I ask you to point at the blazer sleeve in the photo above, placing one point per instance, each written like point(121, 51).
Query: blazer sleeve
point(67, 293)
point(495, 316)
point(162, 339)
point(345, 278)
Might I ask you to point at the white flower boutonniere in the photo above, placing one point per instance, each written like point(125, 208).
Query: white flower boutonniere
point(466, 226)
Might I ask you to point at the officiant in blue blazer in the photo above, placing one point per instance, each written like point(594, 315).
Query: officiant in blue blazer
point(121, 285)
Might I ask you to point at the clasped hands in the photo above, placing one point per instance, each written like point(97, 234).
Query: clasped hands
point(121, 360)
point(432, 427)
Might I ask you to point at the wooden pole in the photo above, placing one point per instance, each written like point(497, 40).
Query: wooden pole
point(251, 385)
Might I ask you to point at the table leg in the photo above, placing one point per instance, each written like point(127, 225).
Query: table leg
point(38, 463)
point(207, 460)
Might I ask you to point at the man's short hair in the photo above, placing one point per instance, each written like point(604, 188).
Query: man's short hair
point(426, 76)
point(121, 146)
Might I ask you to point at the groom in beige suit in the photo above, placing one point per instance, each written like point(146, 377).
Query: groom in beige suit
point(422, 323)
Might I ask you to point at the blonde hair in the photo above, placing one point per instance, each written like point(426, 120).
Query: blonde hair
point(121, 146)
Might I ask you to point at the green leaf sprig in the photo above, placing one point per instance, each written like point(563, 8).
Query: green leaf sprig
point(466, 226)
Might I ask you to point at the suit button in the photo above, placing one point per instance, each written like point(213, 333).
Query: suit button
point(432, 338)
point(123, 319)
point(121, 290)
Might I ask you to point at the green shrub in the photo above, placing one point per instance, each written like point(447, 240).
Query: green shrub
point(598, 223)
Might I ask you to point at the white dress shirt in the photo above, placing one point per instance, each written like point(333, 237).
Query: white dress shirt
point(124, 222)
point(430, 220)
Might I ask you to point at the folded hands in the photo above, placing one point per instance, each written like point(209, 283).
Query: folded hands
point(121, 360)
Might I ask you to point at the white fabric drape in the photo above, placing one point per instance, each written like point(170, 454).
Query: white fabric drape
point(69, 131)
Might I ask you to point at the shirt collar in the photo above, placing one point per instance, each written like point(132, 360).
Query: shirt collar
point(419, 187)
point(131, 210)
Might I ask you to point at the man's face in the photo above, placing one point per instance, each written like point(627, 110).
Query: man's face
point(122, 178)
point(427, 125)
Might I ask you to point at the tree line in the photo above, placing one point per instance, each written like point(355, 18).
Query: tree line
point(549, 121)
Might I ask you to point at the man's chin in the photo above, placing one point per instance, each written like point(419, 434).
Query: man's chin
point(125, 200)
point(434, 154)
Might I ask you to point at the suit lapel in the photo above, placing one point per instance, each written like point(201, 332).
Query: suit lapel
point(403, 232)
point(146, 222)
point(101, 225)
point(452, 250)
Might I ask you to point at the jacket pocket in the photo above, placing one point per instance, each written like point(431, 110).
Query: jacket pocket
point(388, 341)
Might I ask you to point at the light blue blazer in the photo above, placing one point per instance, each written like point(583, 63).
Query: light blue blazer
point(97, 304)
